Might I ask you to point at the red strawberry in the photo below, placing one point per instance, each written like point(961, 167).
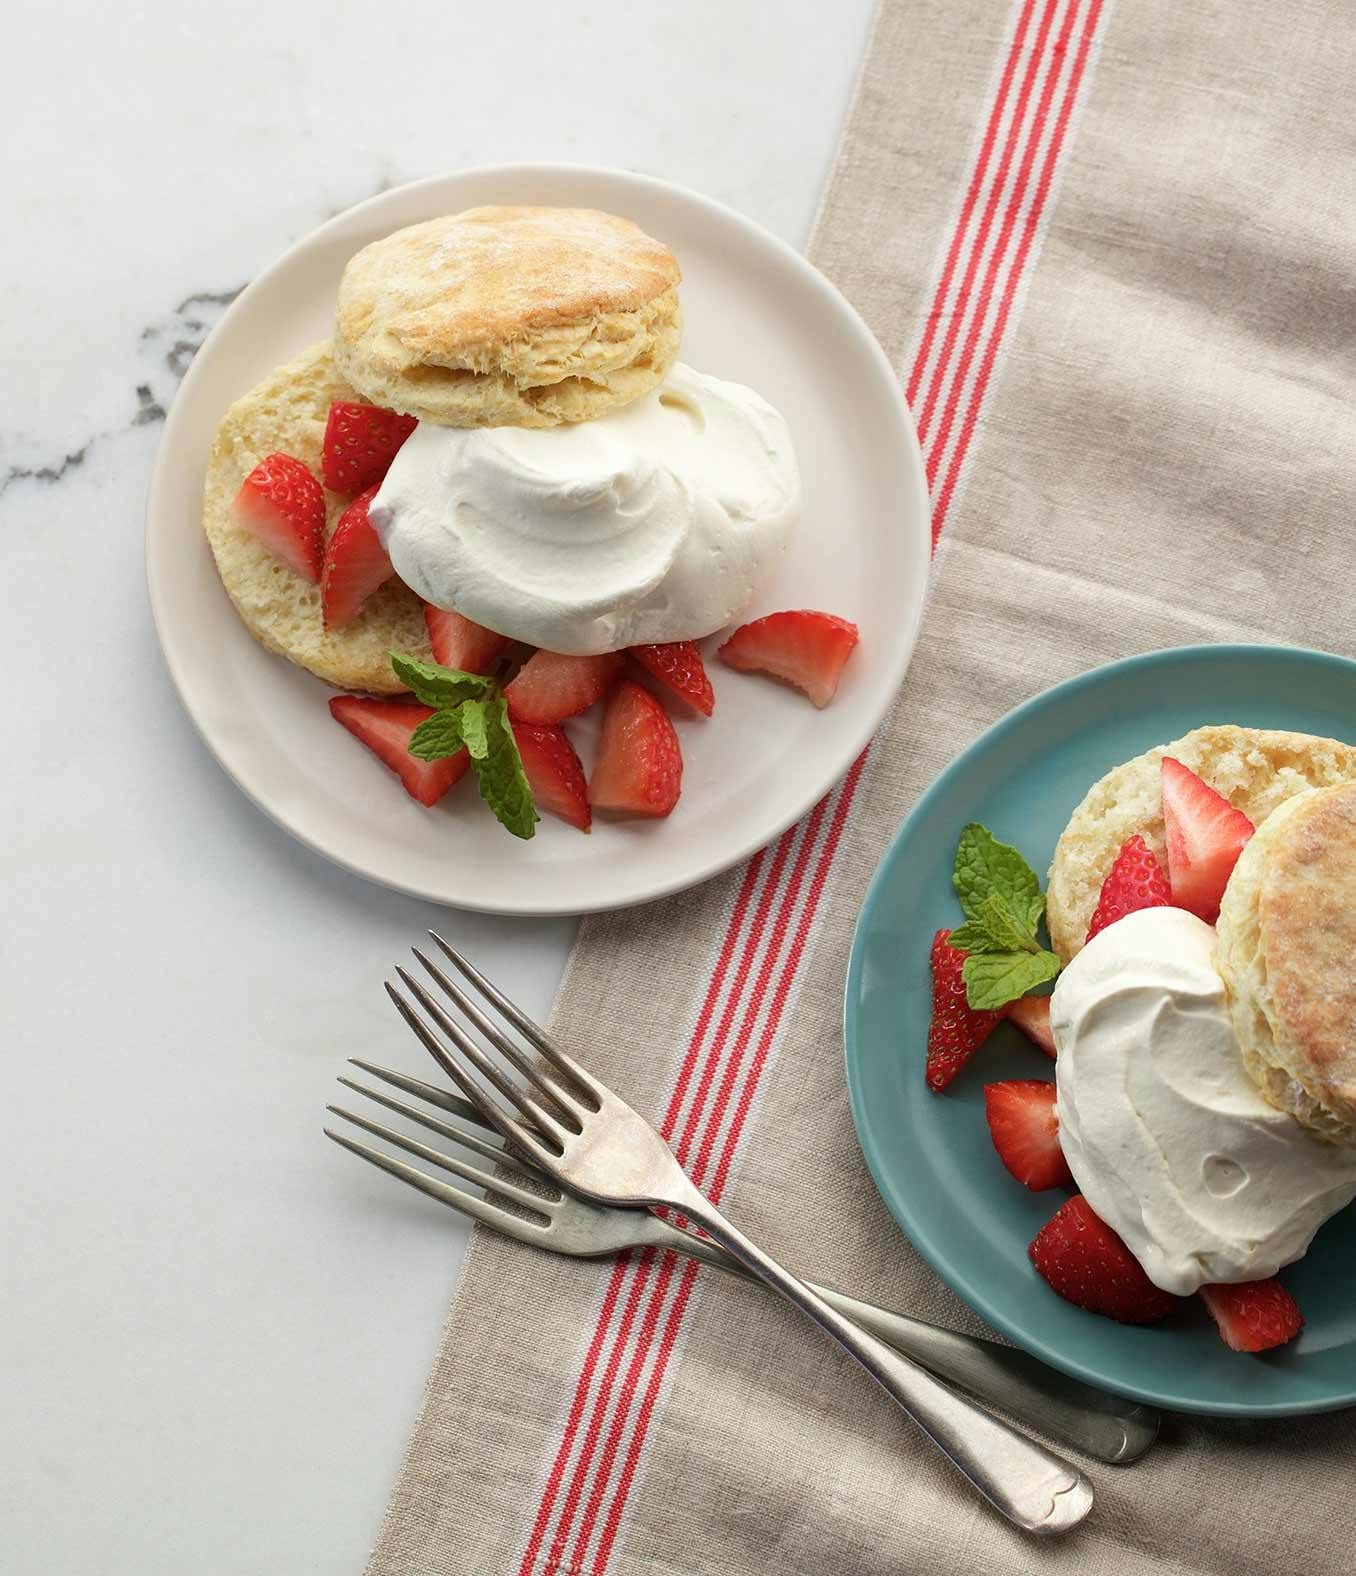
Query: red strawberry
point(1083, 1259)
point(360, 443)
point(957, 1031)
point(550, 687)
point(1031, 1014)
point(282, 504)
point(385, 727)
point(553, 772)
point(639, 766)
point(459, 643)
point(355, 563)
point(1135, 881)
point(1025, 1132)
point(1205, 836)
point(1255, 1315)
point(679, 667)
point(804, 648)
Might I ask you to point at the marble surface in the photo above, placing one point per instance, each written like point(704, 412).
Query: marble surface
point(214, 1327)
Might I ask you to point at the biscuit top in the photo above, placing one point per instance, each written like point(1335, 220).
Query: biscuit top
point(1307, 914)
point(454, 290)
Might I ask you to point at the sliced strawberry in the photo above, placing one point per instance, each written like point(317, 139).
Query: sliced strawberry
point(553, 772)
point(1135, 881)
point(550, 687)
point(459, 643)
point(282, 504)
point(957, 1031)
point(639, 766)
point(360, 443)
point(355, 563)
point(1031, 1014)
point(1254, 1316)
point(679, 667)
point(1205, 836)
point(1025, 1132)
point(806, 649)
point(385, 727)
point(1083, 1259)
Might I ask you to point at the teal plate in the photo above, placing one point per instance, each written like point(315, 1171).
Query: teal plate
point(930, 1155)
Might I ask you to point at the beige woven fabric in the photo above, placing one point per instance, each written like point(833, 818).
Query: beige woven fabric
point(1163, 458)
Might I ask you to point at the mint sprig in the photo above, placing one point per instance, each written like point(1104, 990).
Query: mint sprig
point(471, 714)
point(1003, 904)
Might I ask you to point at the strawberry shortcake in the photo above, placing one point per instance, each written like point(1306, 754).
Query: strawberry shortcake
point(496, 500)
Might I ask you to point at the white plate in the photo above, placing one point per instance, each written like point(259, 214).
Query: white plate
point(755, 312)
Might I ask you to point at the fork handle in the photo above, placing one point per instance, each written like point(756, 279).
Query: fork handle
point(1030, 1485)
point(1106, 1426)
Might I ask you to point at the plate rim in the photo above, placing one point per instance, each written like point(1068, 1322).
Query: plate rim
point(981, 1303)
point(917, 506)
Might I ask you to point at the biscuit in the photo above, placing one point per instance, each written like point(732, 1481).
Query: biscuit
point(1287, 955)
point(1255, 769)
point(286, 413)
point(509, 317)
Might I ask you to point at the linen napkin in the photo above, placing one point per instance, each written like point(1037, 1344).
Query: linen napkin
point(1110, 250)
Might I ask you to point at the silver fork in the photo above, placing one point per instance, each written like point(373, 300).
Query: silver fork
point(1103, 1425)
point(589, 1140)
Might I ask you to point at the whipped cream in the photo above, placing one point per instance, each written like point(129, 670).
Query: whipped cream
point(1163, 1130)
point(652, 523)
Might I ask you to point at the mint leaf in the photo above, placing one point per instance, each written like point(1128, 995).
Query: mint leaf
point(995, 929)
point(995, 979)
point(475, 728)
point(435, 685)
point(438, 736)
point(972, 936)
point(984, 866)
point(499, 769)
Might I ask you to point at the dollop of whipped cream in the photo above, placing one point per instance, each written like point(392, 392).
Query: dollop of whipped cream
point(653, 523)
point(1164, 1132)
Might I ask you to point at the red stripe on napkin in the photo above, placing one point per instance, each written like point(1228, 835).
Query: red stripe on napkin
point(773, 914)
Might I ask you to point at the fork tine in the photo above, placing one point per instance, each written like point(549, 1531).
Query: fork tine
point(520, 1020)
point(458, 1168)
point(515, 1131)
point(424, 1091)
point(565, 1104)
point(525, 1100)
point(472, 1141)
point(498, 1120)
point(445, 1193)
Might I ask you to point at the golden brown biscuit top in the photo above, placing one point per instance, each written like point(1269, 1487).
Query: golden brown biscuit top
point(449, 286)
point(1307, 916)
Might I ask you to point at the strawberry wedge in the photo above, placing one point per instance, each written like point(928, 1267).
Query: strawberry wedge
point(360, 443)
point(1031, 1014)
point(551, 687)
point(804, 648)
point(1025, 1132)
point(957, 1030)
point(1205, 835)
point(553, 772)
point(386, 727)
point(355, 564)
point(1135, 881)
point(1254, 1316)
point(1082, 1259)
point(639, 768)
point(458, 642)
point(679, 668)
point(282, 504)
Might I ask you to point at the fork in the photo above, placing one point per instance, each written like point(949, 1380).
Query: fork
point(1103, 1425)
point(590, 1141)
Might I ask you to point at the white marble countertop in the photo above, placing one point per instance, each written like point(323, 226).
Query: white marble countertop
point(214, 1327)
